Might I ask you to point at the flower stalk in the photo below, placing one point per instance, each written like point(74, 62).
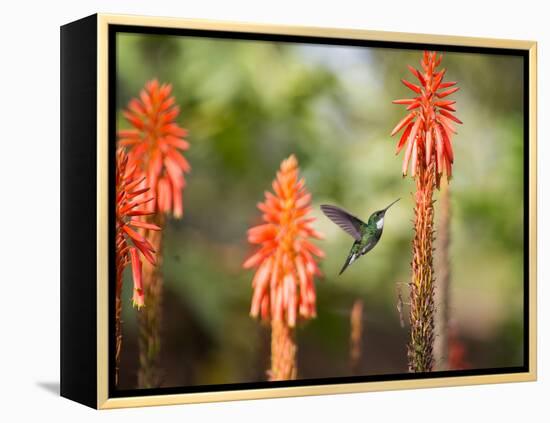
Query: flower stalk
point(443, 271)
point(428, 129)
point(356, 336)
point(420, 350)
point(284, 364)
point(150, 318)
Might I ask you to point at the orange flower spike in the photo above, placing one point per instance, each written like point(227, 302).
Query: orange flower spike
point(427, 135)
point(130, 202)
point(429, 128)
point(286, 265)
point(155, 144)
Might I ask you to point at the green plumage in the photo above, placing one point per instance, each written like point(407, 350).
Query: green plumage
point(366, 235)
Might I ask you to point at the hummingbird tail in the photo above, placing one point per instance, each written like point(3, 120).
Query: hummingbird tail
point(349, 260)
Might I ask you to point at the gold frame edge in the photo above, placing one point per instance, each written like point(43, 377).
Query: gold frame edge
point(102, 213)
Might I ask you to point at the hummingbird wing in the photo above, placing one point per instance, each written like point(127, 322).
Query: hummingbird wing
point(348, 222)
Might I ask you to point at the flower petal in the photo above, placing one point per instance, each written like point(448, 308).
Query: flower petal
point(450, 91)
point(144, 225)
point(404, 138)
point(402, 123)
point(449, 115)
point(412, 86)
point(138, 296)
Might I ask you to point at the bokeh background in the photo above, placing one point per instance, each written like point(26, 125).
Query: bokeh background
point(247, 105)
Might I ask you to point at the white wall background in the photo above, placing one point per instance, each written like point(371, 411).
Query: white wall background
point(29, 210)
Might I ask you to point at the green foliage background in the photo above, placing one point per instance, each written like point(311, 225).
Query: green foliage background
point(248, 105)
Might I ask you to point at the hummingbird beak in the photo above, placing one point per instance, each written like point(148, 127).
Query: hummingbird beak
point(391, 204)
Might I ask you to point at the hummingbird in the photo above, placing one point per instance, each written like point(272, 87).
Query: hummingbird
point(366, 235)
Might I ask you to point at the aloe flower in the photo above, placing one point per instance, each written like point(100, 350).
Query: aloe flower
point(130, 206)
point(155, 144)
point(130, 245)
point(429, 125)
point(427, 139)
point(286, 264)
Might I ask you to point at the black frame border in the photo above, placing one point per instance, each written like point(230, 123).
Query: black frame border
point(78, 211)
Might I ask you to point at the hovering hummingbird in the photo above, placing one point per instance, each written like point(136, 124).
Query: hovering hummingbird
point(366, 235)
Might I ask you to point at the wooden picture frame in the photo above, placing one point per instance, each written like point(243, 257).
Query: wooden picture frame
point(88, 165)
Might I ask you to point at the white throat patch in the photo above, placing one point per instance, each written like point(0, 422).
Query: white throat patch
point(380, 223)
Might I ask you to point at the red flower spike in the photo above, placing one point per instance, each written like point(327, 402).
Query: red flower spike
point(429, 128)
point(129, 242)
point(284, 280)
point(429, 151)
point(155, 144)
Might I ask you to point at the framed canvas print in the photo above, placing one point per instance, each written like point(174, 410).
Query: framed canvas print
point(254, 211)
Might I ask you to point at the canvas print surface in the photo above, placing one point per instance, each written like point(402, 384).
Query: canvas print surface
point(293, 211)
